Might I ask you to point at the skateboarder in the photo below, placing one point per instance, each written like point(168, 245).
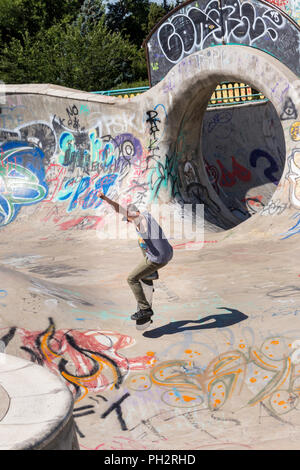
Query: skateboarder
point(156, 249)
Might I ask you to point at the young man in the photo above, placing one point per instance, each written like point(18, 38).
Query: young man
point(156, 249)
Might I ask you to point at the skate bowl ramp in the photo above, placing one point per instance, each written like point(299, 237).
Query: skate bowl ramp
point(36, 408)
point(218, 369)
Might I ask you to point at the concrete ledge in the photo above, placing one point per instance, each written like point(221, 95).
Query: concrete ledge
point(60, 92)
point(39, 407)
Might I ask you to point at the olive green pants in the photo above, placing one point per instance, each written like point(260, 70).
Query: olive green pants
point(143, 269)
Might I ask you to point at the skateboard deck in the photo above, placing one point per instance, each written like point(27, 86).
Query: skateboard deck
point(148, 289)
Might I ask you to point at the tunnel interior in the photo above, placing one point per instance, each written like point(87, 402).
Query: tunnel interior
point(230, 158)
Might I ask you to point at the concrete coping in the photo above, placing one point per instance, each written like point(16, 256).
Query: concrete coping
point(37, 406)
point(59, 91)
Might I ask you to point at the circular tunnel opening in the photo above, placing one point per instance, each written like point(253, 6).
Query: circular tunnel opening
point(243, 148)
point(231, 153)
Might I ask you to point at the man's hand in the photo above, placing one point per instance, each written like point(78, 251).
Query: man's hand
point(115, 205)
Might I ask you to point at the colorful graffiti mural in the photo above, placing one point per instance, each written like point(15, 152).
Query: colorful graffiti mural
point(93, 364)
point(267, 372)
point(71, 171)
point(89, 361)
point(291, 7)
point(293, 176)
point(22, 178)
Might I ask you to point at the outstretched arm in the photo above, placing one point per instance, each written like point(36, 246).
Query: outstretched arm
point(118, 208)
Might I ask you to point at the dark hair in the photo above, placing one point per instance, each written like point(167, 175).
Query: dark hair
point(131, 209)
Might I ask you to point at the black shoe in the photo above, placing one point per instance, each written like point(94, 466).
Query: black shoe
point(141, 314)
point(144, 323)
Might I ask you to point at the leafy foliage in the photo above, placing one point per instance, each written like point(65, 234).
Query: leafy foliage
point(90, 13)
point(129, 17)
point(19, 16)
point(85, 44)
point(62, 55)
point(156, 13)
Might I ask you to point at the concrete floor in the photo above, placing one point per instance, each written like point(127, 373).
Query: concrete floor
point(214, 371)
point(217, 369)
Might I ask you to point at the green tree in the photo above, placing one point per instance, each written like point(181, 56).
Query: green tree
point(90, 13)
point(19, 16)
point(98, 60)
point(156, 13)
point(130, 18)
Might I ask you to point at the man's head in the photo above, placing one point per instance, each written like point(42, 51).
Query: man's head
point(132, 213)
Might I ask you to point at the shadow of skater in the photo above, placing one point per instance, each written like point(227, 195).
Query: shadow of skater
point(212, 321)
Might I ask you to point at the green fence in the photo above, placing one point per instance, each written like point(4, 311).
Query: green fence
point(225, 94)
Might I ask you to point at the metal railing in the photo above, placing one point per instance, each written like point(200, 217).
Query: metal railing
point(228, 94)
point(124, 93)
point(225, 94)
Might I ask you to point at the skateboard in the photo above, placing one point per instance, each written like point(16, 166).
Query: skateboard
point(148, 288)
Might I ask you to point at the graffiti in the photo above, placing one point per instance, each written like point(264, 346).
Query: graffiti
point(198, 194)
point(153, 120)
point(85, 191)
point(227, 149)
point(293, 176)
point(178, 246)
point(55, 164)
point(274, 208)
point(139, 189)
point(92, 153)
point(295, 131)
point(279, 3)
point(284, 292)
point(117, 408)
point(49, 290)
point(41, 135)
point(295, 356)
point(270, 170)
point(88, 222)
point(218, 120)
point(197, 25)
point(84, 109)
point(228, 179)
point(164, 175)
point(185, 33)
point(253, 204)
point(3, 293)
point(292, 8)
point(213, 175)
point(21, 178)
point(262, 375)
point(8, 118)
point(295, 229)
point(289, 110)
point(73, 119)
point(89, 361)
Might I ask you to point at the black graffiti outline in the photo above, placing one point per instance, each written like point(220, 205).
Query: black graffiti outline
point(256, 154)
point(289, 110)
point(286, 291)
point(230, 22)
point(117, 408)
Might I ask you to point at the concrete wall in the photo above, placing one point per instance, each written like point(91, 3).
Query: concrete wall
point(38, 412)
point(59, 147)
point(244, 154)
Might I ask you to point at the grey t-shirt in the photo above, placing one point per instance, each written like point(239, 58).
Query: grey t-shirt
point(157, 248)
